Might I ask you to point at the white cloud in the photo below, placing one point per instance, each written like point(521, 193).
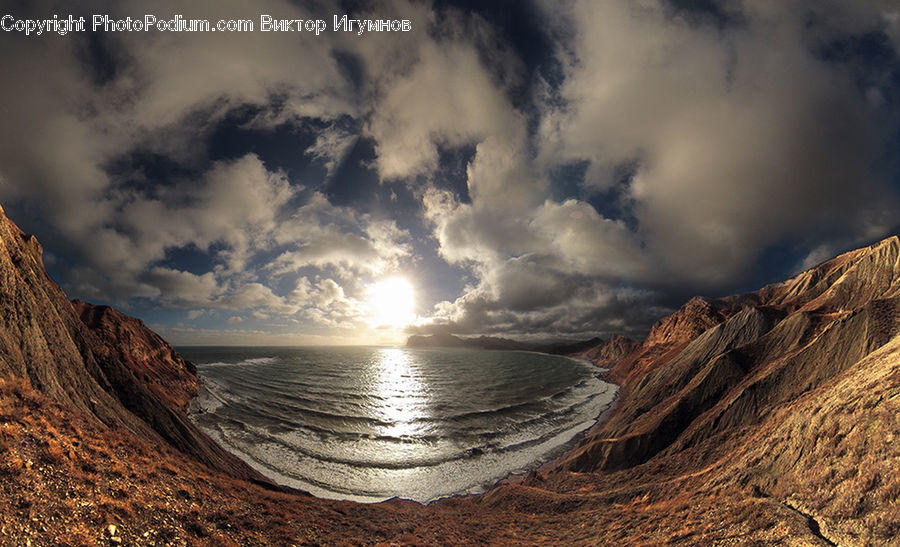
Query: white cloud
point(448, 98)
point(332, 146)
point(183, 288)
point(741, 137)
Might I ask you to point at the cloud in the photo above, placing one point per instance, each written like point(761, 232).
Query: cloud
point(742, 136)
point(87, 112)
point(232, 212)
point(706, 141)
point(321, 234)
point(578, 309)
point(162, 94)
point(184, 288)
point(255, 296)
point(448, 99)
point(739, 137)
point(332, 146)
point(325, 303)
point(558, 267)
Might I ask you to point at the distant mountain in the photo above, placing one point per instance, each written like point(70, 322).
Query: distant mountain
point(585, 348)
point(446, 340)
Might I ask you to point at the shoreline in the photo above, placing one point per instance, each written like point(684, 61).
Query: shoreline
point(538, 466)
point(519, 478)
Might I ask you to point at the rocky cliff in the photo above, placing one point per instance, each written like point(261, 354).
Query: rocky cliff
point(80, 361)
point(150, 358)
point(788, 394)
point(605, 353)
point(716, 366)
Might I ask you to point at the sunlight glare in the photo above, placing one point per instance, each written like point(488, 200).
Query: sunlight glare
point(403, 400)
point(391, 303)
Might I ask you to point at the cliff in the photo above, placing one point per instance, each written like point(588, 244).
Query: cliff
point(605, 353)
point(85, 366)
point(153, 361)
point(719, 365)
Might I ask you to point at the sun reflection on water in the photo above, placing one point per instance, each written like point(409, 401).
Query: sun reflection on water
point(402, 398)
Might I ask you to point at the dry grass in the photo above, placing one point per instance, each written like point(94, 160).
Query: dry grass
point(835, 453)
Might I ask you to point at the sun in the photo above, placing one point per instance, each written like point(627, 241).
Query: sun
point(391, 303)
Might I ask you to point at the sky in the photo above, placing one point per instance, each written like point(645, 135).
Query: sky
point(529, 169)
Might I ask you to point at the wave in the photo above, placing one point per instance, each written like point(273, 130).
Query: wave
point(320, 443)
point(350, 429)
point(246, 362)
point(264, 442)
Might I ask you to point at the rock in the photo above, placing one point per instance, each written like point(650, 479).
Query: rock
point(80, 362)
point(607, 352)
point(171, 378)
point(719, 365)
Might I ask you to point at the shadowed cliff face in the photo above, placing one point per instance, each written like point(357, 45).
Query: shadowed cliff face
point(716, 366)
point(608, 352)
point(153, 361)
point(93, 370)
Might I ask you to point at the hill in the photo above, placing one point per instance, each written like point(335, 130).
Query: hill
point(91, 368)
point(788, 394)
point(595, 348)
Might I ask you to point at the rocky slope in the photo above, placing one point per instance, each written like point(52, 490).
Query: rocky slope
point(832, 454)
point(153, 361)
point(43, 340)
point(605, 353)
point(787, 396)
point(719, 365)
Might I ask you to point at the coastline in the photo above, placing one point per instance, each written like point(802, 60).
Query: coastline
point(553, 463)
point(552, 457)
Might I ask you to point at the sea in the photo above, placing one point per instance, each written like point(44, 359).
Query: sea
point(373, 423)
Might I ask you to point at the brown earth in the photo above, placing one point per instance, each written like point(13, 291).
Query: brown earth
point(607, 353)
point(766, 418)
point(44, 341)
point(153, 361)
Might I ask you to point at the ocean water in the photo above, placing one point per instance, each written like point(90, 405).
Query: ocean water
point(368, 424)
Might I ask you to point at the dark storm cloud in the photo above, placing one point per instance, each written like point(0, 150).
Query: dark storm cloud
point(742, 135)
point(578, 167)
